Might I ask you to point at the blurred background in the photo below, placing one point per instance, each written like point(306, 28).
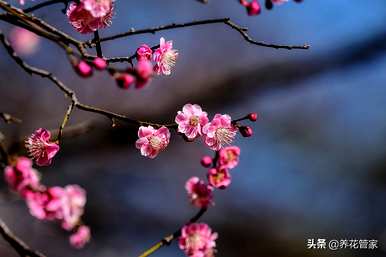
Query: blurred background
point(315, 167)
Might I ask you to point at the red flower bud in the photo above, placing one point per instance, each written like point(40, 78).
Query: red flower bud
point(83, 69)
point(206, 161)
point(124, 80)
point(246, 131)
point(253, 116)
point(99, 63)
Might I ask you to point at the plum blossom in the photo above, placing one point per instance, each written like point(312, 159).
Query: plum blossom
point(197, 240)
point(73, 203)
point(219, 132)
point(165, 57)
point(98, 8)
point(151, 141)
point(191, 120)
point(144, 52)
point(143, 72)
point(253, 7)
point(24, 41)
point(199, 193)
point(229, 156)
point(46, 204)
point(40, 148)
point(90, 15)
point(80, 237)
point(22, 177)
point(219, 177)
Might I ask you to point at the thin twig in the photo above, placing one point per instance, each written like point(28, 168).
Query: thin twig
point(226, 21)
point(17, 244)
point(98, 44)
point(167, 240)
point(65, 120)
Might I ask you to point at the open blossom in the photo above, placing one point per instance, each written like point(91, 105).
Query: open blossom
point(199, 193)
point(46, 204)
point(24, 41)
point(73, 204)
point(151, 141)
point(22, 177)
point(90, 15)
point(165, 57)
point(197, 240)
point(40, 148)
point(219, 177)
point(191, 120)
point(219, 132)
point(98, 8)
point(80, 237)
point(229, 156)
point(144, 52)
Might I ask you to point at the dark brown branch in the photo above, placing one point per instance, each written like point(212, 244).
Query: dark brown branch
point(98, 44)
point(8, 118)
point(167, 240)
point(44, 4)
point(17, 244)
point(226, 21)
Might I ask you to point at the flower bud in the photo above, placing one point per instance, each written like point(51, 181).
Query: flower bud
point(253, 116)
point(206, 161)
point(99, 63)
point(253, 8)
point(83, 69)
point(124, 80)
point(246, 131)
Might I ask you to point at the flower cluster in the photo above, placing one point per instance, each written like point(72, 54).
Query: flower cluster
point(64, 204)
point(197, 240)
point(87, 16)
point(140, 74)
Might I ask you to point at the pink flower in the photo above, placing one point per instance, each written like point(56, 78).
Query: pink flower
point(46, 204)
point(22, 177)
point(219, 132)
point(80, 237)
point(229, 157)
point(144, 71)
point(40, 148)
point(191, 120)
point(98, 8)
point(24, 41)
point(81, 16)
point(21, 1)
point(165, 57)
point(151, 141)
point(219, 177)
point(200, 194)
point(144, 52)
point(253, 7)
point(73, 204)
point(197, 240)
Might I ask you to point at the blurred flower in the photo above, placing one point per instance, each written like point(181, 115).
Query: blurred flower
point(22, 177)
point(151, 141)
point(197, 240)
point(89, 16)
point(80, 237)
point(40, 148)
point(73, 203)
point(253, 7)
point(219, 132)
point(229, 157)
point(46, 204)
point(165, 57)
point(144, 52)
point(144, 71)
point(219, 177)
point(23, 41)
point(191, 120)
point(200, 194)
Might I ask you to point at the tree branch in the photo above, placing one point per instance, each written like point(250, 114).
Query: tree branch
point(17, 244)
point(8, 118)
point(226, 21)
point(167, 240)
